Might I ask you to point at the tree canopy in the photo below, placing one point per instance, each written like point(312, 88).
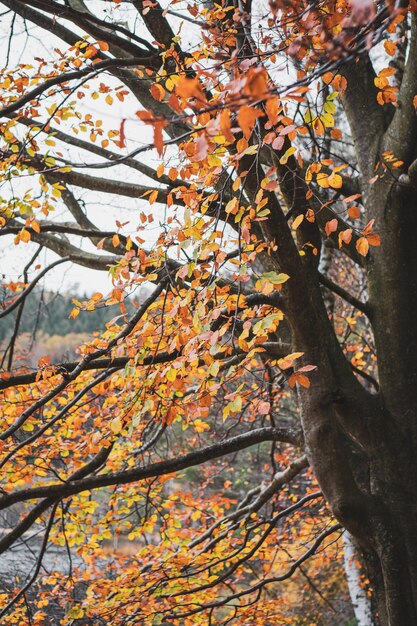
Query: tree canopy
point(246, 173)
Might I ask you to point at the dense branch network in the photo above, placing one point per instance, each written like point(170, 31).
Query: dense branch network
point(256, 278)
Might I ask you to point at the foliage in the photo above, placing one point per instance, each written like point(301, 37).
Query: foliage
point(259, 173)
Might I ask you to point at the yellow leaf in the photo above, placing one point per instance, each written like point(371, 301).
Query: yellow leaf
point(74, 313)
point(24, 235)
point(116, 425)
point(232, 206)
point(253, 149)
point(297, 221)
point(335, 181)
point(287, 155)
point(323, 180)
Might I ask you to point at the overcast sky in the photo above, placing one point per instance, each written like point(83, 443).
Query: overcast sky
point(103, 209)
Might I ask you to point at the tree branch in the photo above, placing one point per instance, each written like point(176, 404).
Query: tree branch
point(215, 451)
point(65, 77)
point(358, 304)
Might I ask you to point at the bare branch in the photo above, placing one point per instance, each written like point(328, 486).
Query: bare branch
point(23, 295)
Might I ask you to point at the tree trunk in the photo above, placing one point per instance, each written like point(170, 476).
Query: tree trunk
point(388, 538)
point(358, 593)
point(393, 581)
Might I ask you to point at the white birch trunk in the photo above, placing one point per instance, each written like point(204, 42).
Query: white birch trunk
point(360, 600)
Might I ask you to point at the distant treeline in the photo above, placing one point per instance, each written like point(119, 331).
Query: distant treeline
point(49, 312)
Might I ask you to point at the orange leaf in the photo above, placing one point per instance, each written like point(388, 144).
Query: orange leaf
point(153, 196)
point(374, 240)
point(331, 227)
point(335, 181)
point(390, 47)
point(303, 380)
point(188, 88)
point(122, 140)
point(345, 236)
point(246, 118)
point(354, 212)
point(362, 246)
point(157, 91)
point(226, 126)
point(44, 361)
point(368, 228)
point(158, 126)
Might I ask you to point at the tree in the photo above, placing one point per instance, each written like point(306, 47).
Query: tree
point(283, 140)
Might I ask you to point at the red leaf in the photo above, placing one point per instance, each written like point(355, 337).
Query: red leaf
point(122, 140)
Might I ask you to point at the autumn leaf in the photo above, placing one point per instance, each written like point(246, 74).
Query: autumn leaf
point(284, 159)
point(345, 236)
point(301, 379)
point(354, 212)
point(190, 88)
point(362, 246)
point(331, 227)
point(44, 361)
point(116, 425)
point(362, 11)
point(158, 126)
point(264, 408)
point(201, 148)
point(390, 47)
point(298, 220)
point(122, 140)
point(103, 45)
point(246, 118)
point(157, 91)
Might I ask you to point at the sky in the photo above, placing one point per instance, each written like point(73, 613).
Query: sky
point(103, 209)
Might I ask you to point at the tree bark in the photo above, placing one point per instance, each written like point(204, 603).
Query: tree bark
point(358, 594)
